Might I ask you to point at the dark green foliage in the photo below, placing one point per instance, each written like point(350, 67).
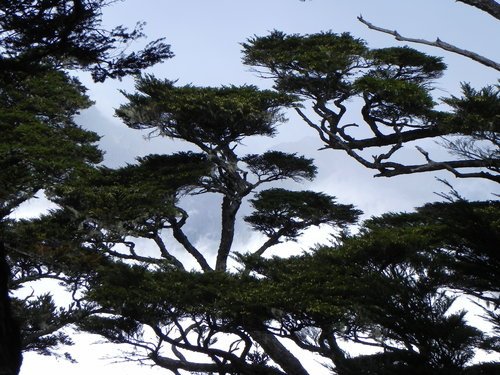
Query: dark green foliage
point(279, 165)
point(39, 317)
point(394, 99)
point(477, 111)
point(330, 67)
point(57, 247)
point(325, 66)
point(69, 34)
point(138, 286)
point(52, 246)
point(40, 147)
point(462, 237)
point(393, 285)
point(137, 198)
point(290, 212)
point(405, 63)
point(39, 142)
point(210, 116)
point(394, 86)
point(488, 368)
point(318, 65)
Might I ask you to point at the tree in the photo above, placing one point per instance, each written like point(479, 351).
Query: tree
point(393, 86)
point(40, 145)
point(391, 286)
point(68, 34)
point(212, 310)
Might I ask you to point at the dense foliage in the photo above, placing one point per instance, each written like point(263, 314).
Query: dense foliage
point(402, 285)
point(394, 88)
point(69, 34)
point(143, 203)
point(40, 145)
point(396, 285)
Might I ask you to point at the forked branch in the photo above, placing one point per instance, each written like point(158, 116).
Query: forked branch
point(437, 43)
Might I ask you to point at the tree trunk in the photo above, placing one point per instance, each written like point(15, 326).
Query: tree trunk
point(10, 336)
point(279, 353)
point(230, 207)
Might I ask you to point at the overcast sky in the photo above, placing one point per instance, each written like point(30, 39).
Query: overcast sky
point(205, 37)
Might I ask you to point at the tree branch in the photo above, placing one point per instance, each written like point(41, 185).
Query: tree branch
point(230, 207)
point(489, 6)
point(439, 43)
point(395, 169)
point(278, 353)
point(230, 363)
point(174, 365)
point(273, 240)
point(184, 241)
point(164, 252)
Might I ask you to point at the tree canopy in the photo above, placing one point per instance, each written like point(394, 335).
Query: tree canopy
point(121, 243)
point(69, 34)
point(118, 207)
point(40, 144)
point(394, 87)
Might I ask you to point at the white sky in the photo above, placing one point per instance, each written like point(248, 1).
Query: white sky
point(205, 36)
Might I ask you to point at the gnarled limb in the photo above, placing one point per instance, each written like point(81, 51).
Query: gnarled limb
point(489, 6)
point(179, 235)
point(439, 43)
point(222, 361)
point(278, 353)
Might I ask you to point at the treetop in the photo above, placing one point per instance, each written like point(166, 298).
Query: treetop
point(206, 116)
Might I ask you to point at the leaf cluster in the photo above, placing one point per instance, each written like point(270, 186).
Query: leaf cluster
point(280, 165)
point(319, 64)
point(136, 198)
point(476, 112)
point(203, 115)
point(69, 34)
point(290, 212)
point(40, 144)
point(328, 66)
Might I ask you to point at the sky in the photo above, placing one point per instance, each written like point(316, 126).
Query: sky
point(205, 36)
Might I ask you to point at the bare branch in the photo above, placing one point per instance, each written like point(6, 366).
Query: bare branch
point(165, 254)
point(184, 241)
point(438, 43)
point(395, 169)
point(489, 6)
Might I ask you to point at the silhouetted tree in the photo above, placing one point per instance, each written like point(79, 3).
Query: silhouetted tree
point(40, 145)
point(211, 310)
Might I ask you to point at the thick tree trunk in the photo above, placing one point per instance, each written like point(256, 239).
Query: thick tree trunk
point(10, 336)
point(230, 207)
point(279, 353)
